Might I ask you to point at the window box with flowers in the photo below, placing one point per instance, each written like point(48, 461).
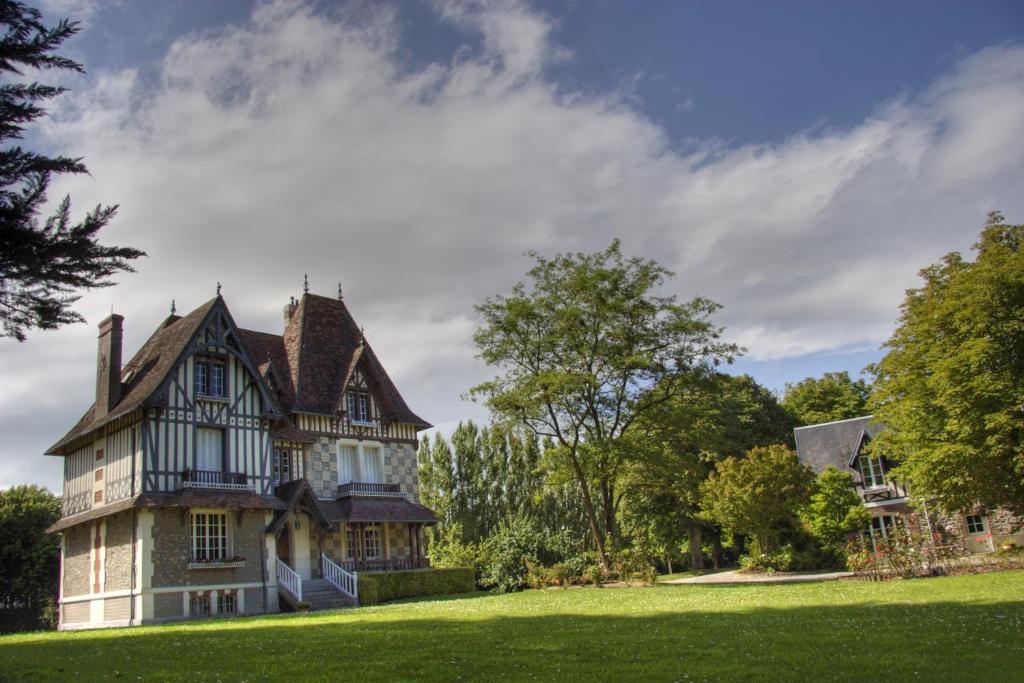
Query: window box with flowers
point(208, 563)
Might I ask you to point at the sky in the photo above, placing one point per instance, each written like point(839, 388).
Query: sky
point(797, 162)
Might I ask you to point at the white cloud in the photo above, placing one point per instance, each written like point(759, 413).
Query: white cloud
point(295, 144)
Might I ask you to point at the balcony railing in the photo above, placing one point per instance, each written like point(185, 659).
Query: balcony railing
point(383, 565)
point(362, 488)
point(211, 479)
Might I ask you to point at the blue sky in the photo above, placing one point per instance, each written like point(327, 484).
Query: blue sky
point(797, 162)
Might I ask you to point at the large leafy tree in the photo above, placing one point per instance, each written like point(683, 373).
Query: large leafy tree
point(951, 387)
point(835, 510)
point(834, 396)
point(759, 495)
point(677, 445)
point(42, 265)
point(28, 557)
point(583, 353)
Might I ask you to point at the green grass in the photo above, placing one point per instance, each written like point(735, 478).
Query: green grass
point(948, 629)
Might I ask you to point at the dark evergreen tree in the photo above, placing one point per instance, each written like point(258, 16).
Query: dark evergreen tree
point(42, 265)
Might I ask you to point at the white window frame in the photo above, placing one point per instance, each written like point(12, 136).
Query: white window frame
point(279, 457)
point(874, 475)
point(373, 539)
point(980, 519)
point(195, 550)
point(219, 467)
point(359, 405)
point(362, 448)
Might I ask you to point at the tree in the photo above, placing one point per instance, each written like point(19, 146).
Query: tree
point(835, 510)
point(832, 397)
point(41, 266)
point(28, 557)
point(759, 495)
point(950, 389)
point(676, 446)
point(585, 352)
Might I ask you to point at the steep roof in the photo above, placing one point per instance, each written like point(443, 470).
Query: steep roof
point(310, 363)
point(144, 373)
point(376, 509)
point(833, 443)
point(322, 343)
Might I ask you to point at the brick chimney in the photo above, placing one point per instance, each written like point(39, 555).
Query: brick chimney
point(108, 365)
point(289, 310)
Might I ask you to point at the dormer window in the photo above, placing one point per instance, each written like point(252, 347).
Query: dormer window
point(358, 406)
point(871, 472)
point(210, 375)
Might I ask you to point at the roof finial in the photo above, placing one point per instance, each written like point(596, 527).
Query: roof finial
point(218, 289)
point(362, 335)
point(305, 284)
point(340, 297)
point(174, 309)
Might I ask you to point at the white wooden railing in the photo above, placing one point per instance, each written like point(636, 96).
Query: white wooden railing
point(291, 581)
point(346, 582)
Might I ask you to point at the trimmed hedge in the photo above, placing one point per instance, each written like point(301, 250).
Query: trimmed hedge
point(375, 588)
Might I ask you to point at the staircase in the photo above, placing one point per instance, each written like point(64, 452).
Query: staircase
point(320, 594)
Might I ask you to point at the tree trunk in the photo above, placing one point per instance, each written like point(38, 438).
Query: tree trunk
point(696, 549)
point(608, 498)
point(739, 541)
point(588, 505)
point(716, 550)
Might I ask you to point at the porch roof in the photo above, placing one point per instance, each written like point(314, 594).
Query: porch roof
point(189, 498)
point(359, 509)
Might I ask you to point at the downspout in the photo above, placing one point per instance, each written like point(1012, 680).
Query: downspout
point(263, 569)
point(135, 534)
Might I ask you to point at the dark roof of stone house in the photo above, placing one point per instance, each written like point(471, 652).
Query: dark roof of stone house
point(833, 443)
point(293, 493)
point(310, 362)
point(189, 498)
point(376, 509)
point(144, 373)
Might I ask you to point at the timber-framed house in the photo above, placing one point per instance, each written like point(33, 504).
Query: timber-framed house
point(224, 471)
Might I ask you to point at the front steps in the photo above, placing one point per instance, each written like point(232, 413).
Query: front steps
point(320, 594)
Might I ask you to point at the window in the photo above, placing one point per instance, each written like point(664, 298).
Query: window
point(199, 606)
point(373, 465)
point(209, 449)
point(210, 377)
point(282, 465)
point(871, 471)
point(371, 542)
point(881, 528)
point(226, 603)
point(209, 536)
point(975, 524)
point(346, 463)
point(371, 537)
point(358, 404)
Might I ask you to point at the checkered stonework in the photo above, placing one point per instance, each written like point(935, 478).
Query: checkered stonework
point(400, 468)
point(322, 472)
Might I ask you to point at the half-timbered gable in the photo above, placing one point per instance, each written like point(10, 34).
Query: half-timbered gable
point(222, 467)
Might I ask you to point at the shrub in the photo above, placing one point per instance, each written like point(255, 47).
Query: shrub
point(593, 574)
point(505, 554)
point(375, 588)
point(781, 560)
point(632, 565)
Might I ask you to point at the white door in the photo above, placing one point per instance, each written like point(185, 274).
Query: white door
point(979, 535)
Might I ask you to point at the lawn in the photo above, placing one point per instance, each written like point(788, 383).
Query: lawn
point(947, 629)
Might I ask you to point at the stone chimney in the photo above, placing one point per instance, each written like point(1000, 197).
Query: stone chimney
point(108, 365)
point(289, 310)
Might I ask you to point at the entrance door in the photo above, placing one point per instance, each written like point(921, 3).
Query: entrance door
point(979, 537)
point(283, 543)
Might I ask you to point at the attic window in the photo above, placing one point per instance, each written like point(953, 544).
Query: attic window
point(210, 378)
point(358, 404)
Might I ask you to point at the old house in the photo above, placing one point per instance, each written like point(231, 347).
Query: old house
point(842, 444)
point(222, 471)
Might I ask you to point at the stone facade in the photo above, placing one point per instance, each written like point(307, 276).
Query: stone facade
point(118, 558)
point(167, 606)
point(400, 468)
point(322, 467)
point(77, 541)
point(172, 550)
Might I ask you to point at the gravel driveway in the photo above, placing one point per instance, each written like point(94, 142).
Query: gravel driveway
point(736, 576)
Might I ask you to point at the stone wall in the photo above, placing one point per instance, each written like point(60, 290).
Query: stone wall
point(1002, 524)
point(172, 550)
point(117, 609)
point(400, 468)
point(167, 606)
point(76, 612)
point(77, 542)
point(118, 559)
point(322, 467)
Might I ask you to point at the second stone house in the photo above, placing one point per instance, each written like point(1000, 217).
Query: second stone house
point(223, 470)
